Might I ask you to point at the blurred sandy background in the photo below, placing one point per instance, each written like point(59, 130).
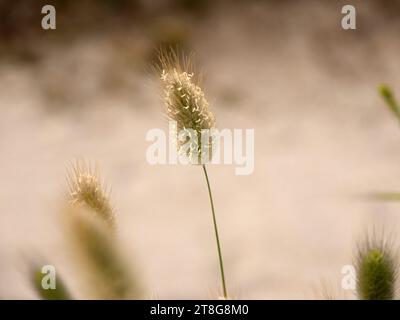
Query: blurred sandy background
point(284, 68)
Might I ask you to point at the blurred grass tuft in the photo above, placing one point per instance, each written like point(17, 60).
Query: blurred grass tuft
point(376, 268)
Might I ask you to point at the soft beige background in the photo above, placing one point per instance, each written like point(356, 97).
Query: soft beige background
point(322, 137)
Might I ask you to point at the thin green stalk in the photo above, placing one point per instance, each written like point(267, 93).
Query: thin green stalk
point(221, 264)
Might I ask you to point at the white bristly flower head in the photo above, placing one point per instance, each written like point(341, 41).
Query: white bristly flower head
point(186, 104)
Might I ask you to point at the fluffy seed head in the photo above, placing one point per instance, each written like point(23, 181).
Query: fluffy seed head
point(376, 269)
point(85, 188)
point(186, 104)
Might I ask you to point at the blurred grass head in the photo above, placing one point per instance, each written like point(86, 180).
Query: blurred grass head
point(85, 188)
point(90, 223)
point(376, 267)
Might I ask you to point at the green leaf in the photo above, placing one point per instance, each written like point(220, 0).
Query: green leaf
point(390, 100)
point(59, 293)
point(384, 196)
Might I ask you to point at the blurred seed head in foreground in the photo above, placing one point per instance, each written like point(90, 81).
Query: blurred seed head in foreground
point(90, 230)
point(377, 268)
point(85, 188)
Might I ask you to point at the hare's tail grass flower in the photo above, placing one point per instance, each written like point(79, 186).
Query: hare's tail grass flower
point(376, 268)
point(186, 104)
point(390, 100)
point(85, 188)
point(90, 221)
